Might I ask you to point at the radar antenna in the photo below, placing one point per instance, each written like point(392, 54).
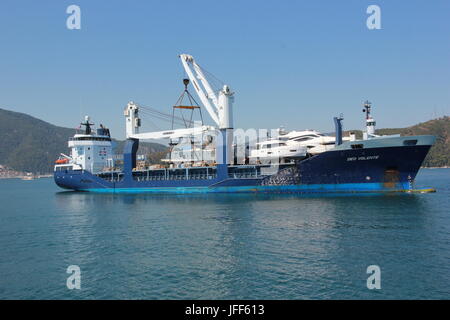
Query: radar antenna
point(367, 107)
point(88, 125)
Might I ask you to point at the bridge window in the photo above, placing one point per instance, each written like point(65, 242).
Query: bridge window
point(410, 142)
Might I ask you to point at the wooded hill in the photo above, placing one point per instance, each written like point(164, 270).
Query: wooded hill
point(32, 145)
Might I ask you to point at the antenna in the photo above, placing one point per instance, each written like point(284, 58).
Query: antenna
point(367, 107)
point(88, 125)
point(370, 122)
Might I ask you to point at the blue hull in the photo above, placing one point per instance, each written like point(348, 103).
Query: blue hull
point(384, 169)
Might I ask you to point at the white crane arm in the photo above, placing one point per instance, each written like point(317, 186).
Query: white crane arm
point(172, 134)
point(209, 91)
point(203, 97)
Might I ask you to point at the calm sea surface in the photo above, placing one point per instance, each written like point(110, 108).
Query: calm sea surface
point(223, 246)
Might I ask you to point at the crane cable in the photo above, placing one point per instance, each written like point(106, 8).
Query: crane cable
point(151, 112)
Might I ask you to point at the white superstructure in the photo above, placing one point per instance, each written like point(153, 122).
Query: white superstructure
point(90, 150)
point(370, 122)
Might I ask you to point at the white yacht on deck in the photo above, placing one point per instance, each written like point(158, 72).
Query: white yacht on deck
point(294, 145)
point(314, 141)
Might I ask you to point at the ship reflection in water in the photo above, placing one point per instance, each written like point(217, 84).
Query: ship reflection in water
point(219, 246)
point(223, 246)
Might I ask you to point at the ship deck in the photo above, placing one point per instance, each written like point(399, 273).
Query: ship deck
point(195, 173)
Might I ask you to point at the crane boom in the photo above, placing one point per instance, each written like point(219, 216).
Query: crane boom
point(221, 111)
point(185, 60)
point(172, 134)
point(209, 91)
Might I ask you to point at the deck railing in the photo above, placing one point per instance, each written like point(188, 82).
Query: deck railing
point(203, 173)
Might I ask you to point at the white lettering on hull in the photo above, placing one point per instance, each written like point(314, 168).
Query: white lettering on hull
point(363, 158)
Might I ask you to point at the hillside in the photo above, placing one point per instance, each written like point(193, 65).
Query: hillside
point(439, 155)
point(30, 144)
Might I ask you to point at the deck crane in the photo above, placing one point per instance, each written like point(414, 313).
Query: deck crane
point(221, 108)
point(218, 107)
point(133, 122)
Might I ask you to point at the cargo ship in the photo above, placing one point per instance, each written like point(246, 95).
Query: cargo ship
point(218, 163)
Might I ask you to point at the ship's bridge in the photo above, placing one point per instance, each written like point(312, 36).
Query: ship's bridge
point(90, 150)
point(83, 137)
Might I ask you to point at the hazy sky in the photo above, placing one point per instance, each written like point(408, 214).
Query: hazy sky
point(291, 63)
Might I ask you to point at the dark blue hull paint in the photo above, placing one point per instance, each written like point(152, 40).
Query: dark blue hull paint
point(358, 170)
point(382, 165)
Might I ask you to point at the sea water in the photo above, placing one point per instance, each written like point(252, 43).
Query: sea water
point(224, 246)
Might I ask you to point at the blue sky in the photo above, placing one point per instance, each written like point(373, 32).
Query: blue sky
point(291, 63)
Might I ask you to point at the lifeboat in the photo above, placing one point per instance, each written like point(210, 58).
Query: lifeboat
point(62, 161)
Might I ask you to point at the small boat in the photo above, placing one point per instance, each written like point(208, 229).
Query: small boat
point(62, 161)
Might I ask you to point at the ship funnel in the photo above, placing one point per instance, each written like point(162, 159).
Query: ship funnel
point(338, 128)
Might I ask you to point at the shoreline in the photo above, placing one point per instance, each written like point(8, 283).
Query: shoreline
point(26, 177)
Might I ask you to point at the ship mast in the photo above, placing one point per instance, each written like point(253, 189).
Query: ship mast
point(370, 122)
point(87, 124)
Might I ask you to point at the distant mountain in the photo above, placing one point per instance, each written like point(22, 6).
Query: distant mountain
point(30, 144)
